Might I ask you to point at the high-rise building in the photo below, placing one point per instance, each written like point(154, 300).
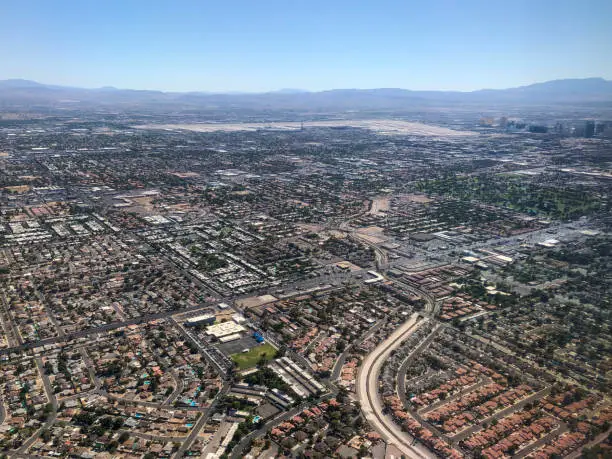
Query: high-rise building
point(538, 128)
point(559, 128)
point(589, 129)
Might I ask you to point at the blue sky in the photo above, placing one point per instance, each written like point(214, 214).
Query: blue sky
point(261, 45)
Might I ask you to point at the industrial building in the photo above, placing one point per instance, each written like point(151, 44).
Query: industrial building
point(225, 329)
point(204, 319)
point(279, 399)
point(302, 382)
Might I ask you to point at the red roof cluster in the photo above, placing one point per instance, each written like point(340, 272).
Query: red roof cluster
point(415, 428)
point(560, 446)
point(521, 437)
point(493, 434)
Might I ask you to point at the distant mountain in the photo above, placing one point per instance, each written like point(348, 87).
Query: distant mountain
point(569, 89)
point(30, 94)
point(18, 83)
point(568, 86)
point(290, 91)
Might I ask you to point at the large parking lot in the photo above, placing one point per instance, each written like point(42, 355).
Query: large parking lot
point(234, 347)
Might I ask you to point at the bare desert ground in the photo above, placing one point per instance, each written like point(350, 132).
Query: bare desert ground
point(390, 127)
point(380, 204)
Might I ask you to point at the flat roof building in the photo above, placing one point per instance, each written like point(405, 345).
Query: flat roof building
point(207, 319)
point(225, 329)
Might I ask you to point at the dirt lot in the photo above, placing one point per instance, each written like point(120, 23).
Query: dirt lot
point(415, 198)
point(390, 127)
point(379, 205)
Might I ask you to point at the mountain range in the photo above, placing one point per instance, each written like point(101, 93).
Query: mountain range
point(30, 94)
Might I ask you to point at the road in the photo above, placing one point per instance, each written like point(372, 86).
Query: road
point(560, 430)
point(369, 397)
point(51, 417)
point(156, 405)
point(578, 452)
point(96, 330)
point(10, 330)
point(380, 255)
point(238, 450)
point(501, 414)
point(454, 397)
point(200, 423)
point(401, 373)
point(91, 368)
point(49, 312)
point(566, 379)
point(2, 411)
point(205, 351)
point(180, 386)
point(335, 374)
point(381, 258)
point(431, 307)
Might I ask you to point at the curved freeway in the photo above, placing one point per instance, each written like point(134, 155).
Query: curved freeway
point(368, 396)
point(382, 260)
point(432, 307)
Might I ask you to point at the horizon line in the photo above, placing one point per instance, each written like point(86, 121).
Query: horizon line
point(290, 91)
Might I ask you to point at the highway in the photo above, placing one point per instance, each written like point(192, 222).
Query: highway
point(380, 255)
point(369, 397)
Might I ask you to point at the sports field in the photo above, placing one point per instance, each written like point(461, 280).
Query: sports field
point(249, 359)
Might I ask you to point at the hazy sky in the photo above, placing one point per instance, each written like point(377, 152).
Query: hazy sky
point(260, 45)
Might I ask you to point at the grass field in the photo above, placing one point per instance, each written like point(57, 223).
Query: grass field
point(249, 359)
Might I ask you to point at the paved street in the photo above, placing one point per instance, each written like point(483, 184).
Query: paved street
point(601, 437)
point(200, 423)
point(96, 330)
point(340, 361)
point(369, 397)
point(542, 441)
point(501, 414)
point(52, 415)
point(237, 453)
point(401, 373)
